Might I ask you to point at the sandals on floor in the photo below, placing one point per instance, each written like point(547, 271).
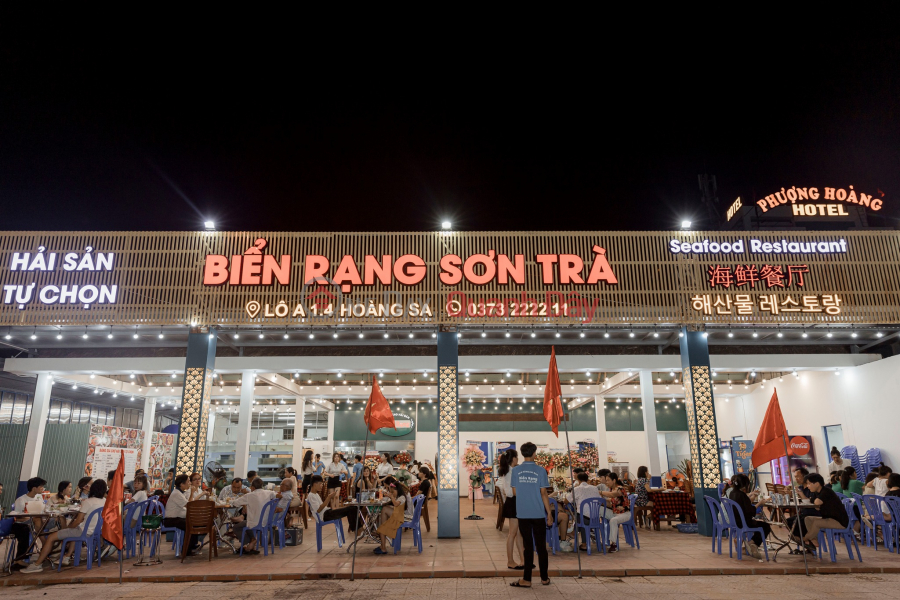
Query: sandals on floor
point(519, 584)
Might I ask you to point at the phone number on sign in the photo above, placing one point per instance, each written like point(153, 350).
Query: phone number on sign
point(551, 304)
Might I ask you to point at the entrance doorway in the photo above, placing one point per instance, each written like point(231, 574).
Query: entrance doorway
point(834, 437)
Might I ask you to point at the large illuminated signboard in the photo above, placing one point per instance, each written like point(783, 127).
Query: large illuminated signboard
point(555, 279)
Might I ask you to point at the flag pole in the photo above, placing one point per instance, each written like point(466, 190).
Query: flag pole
point(356, 541)
point(796, 503)
point(572, 476)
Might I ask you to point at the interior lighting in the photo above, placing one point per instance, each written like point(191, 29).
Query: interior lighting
point(533, 334)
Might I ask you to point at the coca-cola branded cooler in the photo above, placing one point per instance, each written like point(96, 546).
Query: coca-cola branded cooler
point(801, 453)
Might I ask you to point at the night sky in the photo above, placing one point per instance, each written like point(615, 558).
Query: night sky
point(599, 129)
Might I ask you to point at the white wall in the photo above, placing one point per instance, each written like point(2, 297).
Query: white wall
point(863, 400)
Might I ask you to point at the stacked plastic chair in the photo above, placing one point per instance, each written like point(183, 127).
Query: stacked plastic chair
point(873, 460)
point(850, 453)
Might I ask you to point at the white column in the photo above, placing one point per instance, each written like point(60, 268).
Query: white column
point(331, 431)
point(34, 441)
point(649, 410)
point(245, 419)
point(602, 446)
point(149, 417)
point(299, 408)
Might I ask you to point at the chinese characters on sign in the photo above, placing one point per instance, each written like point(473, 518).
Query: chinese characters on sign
point(749, 275)
point(772, 304)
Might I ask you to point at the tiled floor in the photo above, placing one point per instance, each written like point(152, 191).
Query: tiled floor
point(726, 587)
point(480, 552)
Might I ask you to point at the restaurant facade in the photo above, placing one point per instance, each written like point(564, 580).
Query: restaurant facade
point(220, 332)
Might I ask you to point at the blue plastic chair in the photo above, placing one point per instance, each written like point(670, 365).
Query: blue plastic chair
point(93, 542)
point(832, 535)
point(888, 528)
point(865, 530)
point(739, 532)
point(415, 525)
point(593, 508)
point(178, 534)
point(262, 529)
point(719, 489)
point(721, 527)
point(338, 528)
point(6, 534)
point(133, 511)
point(278, 527)
point(552, 536)
point(628, 527)
point(893, 504)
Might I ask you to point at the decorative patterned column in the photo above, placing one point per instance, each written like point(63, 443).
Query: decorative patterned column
point(190, 455)
point(701, 415)
point(448, 434)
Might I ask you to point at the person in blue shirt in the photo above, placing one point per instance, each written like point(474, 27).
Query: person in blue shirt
point(529, 482)
point(318, 465)
point(346, 466)
point(357, 471)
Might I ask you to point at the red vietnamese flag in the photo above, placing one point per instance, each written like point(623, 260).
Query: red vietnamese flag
point(553, 411)
point(112, 508)
point(378, 411)
point(770, 443)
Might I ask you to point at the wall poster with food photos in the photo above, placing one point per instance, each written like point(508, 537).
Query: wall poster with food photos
point(108, 436)
point(162, 451)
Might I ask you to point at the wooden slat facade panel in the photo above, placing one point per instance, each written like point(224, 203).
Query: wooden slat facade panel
point(159, 277)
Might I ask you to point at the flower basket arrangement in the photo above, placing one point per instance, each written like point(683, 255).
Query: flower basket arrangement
point(587, 458)
point(473, 458)
point(402, 458)
point(543, 459)
point(371, 463)
point(561, 460)
point(559, 483)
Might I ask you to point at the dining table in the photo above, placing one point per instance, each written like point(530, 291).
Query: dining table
point(669, 504)
point(40, 521)
point(780, 512)
point(369, 520)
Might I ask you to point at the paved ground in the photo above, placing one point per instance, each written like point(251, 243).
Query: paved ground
point(480, 552)
point(726, 587)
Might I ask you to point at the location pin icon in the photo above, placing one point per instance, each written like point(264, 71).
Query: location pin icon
point(252, 308)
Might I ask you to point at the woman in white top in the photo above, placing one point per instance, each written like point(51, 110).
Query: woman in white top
point(291, 475)
point(508, 460)
point(176, 510)
point(414, 469)
point(75, 528)
point(385, 469)
point(837, 463)
point(196, 491)
point(141, 485)
point(334, 471)
point(307, 469)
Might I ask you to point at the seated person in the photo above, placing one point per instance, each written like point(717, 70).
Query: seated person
point(893, 485)
point(285, 496)
point(747, 500)
point(176, 511)
point(21, 528)
point(831, 513)
point(803, 493)
point(580, 492)
point(399, 511)
point(618, 508)
point(74, 529)
point(322, 506)
point(602, 473)
point(254, 501)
